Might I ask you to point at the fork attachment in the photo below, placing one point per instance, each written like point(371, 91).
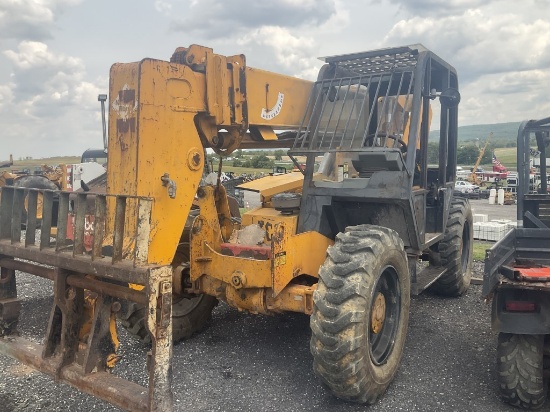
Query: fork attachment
point(91, 268)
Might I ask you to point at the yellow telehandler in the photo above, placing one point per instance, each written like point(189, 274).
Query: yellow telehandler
point(340, 240)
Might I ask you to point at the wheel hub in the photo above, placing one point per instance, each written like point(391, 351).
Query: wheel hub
point(378, 313)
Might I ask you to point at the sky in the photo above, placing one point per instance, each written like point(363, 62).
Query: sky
point(55, 55)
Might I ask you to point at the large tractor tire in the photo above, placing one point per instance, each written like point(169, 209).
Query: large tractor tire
point(456, 251)
point(361, 312)
point(520, 370)
point(36, 182)
point(189, 315)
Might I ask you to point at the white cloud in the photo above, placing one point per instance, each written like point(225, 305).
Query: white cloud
point(512, 96)
point(50, 100)
point(30, 19)
point(479, 41)
point(6, 94)
point(44, 80)
point(32, 55)
point(292, 52)
point(501, 57)
point(218, 19)
point(285, 34)
point(338, 20)
point(163, 6)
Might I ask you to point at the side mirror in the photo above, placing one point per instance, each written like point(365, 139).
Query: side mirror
point(450, 97)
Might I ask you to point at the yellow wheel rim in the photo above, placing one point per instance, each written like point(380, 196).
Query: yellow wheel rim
point(378, 314)
point(39, 203)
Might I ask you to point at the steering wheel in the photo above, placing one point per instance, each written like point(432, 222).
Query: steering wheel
point(403, 145)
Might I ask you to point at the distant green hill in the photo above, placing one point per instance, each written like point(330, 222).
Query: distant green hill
point(501, 132)
point(503, 142)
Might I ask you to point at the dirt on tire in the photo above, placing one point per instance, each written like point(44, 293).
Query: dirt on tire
point(352, 359)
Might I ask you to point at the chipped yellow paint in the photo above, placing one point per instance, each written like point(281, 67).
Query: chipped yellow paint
point(151, 129)
point(303, 253)
point(152, 132)
point(161, 117)
point(206, 241)
point(90, 299)
point(292, 254)
point(267, 218)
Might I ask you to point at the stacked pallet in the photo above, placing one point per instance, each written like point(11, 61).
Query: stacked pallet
point(493, 230)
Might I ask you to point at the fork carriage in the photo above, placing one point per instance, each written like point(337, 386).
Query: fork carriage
point(96, 276)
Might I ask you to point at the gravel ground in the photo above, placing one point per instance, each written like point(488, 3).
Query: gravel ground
point(250, 363)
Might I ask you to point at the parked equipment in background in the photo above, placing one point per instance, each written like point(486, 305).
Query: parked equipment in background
point(517, 279)
point(473, 178)
point(164, 247)
point(7, 163)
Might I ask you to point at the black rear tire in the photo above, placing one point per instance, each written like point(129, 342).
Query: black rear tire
point(456, 251)
point(189, 315)
point(361, 312)
point(520, 370)
point(37, 182)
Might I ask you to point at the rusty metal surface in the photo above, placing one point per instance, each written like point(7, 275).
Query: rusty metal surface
point(66, 319)
point(47, 211)
point(123, 271)
point(32, 203)
point(158, 321)
point(18, 206)
point(101, 343)
point(118, 232)
point(99, 227)
point(80, 281)
point(10, 304)
point(78, 358)
point(54, 254)
point(120, 392)
point(169, 98)
point(80, 342)
point(79, 224)
point(61, 238)
point(6, 207)
point(42, 271)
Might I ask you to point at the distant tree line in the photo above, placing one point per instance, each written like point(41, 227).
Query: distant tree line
point(467, 154)
point(256, 162)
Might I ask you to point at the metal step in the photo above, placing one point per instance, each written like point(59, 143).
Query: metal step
point(426, 277)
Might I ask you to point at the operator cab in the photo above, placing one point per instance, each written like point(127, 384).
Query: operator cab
point(370, 115)
point(94, 155)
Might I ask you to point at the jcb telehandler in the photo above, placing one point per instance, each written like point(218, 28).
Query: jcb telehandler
point(342, 243)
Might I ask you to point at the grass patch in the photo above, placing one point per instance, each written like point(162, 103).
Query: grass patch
point(479, 249)
point(33, 163)
point(241, 170)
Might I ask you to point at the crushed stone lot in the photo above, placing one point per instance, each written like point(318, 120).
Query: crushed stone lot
point(249, 363)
